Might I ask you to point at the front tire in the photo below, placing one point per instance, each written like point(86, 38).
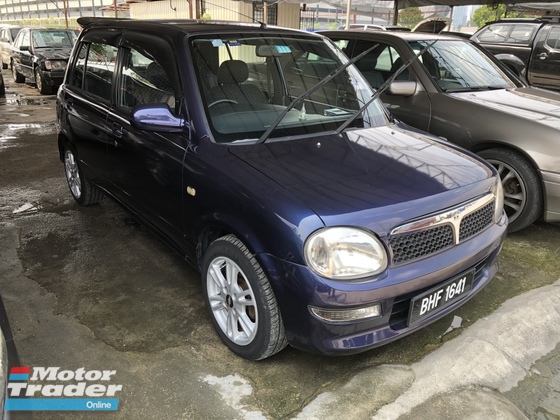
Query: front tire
point(83, 191)
point(41, 86)
point(523, 195)
point(241, 301)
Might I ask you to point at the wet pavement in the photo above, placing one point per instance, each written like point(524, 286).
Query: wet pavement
point(90, 287)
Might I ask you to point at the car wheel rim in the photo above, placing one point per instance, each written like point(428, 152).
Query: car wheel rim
point(73, 174)
point(515, 193)
point(232, 301)
point(38, 80)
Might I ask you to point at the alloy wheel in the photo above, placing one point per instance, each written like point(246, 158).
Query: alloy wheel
point(232, 301)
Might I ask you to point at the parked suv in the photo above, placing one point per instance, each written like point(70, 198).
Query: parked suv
point(314, 217)
point(529, 47)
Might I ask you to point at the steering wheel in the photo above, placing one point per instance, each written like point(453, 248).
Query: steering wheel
point(222, 101)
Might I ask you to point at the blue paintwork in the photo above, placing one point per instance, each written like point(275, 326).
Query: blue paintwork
point(274, 195)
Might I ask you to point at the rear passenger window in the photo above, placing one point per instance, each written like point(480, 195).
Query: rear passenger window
point(100, 66)
point(521, 34)
point(77, 77)
point(553, 40)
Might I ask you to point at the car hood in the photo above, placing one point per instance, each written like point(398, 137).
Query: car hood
point(373, 177)
point(54, 53)
point(537, 105)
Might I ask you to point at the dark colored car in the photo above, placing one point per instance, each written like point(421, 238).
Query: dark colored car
point(314, 218)
point(530, 47)
point(8, 34)
point(41, 55)
point(459, 91)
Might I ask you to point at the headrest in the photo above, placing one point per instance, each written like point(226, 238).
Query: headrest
point(366, 63)
point(233, 71)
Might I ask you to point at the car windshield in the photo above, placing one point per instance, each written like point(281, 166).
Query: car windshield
point(53, 39)
point(458, 66)
point(248, 81)
point(14, 32)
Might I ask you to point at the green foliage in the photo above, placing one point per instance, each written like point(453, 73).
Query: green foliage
point(488, 14)
point(410, 16)
point(485, 14)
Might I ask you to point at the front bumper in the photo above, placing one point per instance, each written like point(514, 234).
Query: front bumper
point(551, 183)
point(297, 288)
point(52, 78)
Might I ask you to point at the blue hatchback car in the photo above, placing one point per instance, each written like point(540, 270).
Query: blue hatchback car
point(262, 156)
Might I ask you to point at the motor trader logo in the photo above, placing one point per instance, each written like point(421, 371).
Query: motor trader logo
point(50, 388)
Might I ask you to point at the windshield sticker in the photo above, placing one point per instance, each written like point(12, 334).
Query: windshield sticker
point(217, 43)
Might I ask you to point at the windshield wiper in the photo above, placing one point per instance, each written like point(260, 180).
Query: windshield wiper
point(475, 89)
point(308, 92)
point(383, 87)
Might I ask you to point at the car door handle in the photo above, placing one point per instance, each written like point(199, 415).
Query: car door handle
point(543, 56)
point(117, 130)
point(69, 104)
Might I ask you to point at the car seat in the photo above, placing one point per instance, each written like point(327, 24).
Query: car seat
point(231, 76)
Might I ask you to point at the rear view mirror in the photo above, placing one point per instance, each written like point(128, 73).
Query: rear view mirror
point(272, 50)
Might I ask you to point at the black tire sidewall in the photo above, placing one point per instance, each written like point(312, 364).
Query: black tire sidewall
point(222, 248)
point(90, 194)
point(533, 206)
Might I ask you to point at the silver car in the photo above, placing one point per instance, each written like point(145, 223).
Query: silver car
point(8, 34)
point(458, 91)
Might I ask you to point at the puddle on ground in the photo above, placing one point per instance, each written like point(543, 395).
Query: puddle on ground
point(15, 99)
point(45, 206)
point(11, 132)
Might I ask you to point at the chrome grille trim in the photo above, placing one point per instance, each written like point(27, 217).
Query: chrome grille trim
point(436, 232)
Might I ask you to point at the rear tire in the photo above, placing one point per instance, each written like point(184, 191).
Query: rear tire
point(241, 301)
point(523, 195)
point(83, 191)
point(18, 77)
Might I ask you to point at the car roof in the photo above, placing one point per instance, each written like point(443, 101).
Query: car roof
point(407, 36)
point(186, 26)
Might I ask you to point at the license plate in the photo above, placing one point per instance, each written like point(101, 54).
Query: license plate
point(438, 298)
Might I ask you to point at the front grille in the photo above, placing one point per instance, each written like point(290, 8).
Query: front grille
point(476, 222)
point(419, 244)
point(434, 233)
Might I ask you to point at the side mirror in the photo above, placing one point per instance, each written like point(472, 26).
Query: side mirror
point(156, 117)
point(402, 88)
point(4, 40)
point(24, 48)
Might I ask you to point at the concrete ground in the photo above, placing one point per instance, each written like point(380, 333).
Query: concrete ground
point(90, 287)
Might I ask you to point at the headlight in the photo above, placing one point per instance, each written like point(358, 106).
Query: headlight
point(345, 253)
point(499, 200)
point(55, 65)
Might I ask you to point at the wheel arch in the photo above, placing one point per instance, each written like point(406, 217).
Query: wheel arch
point(222, 225)
point(491, 144)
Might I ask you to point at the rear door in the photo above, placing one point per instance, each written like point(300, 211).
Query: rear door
point(86, 99)
point(544, 68)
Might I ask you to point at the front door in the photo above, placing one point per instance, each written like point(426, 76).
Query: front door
point(544, 68)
